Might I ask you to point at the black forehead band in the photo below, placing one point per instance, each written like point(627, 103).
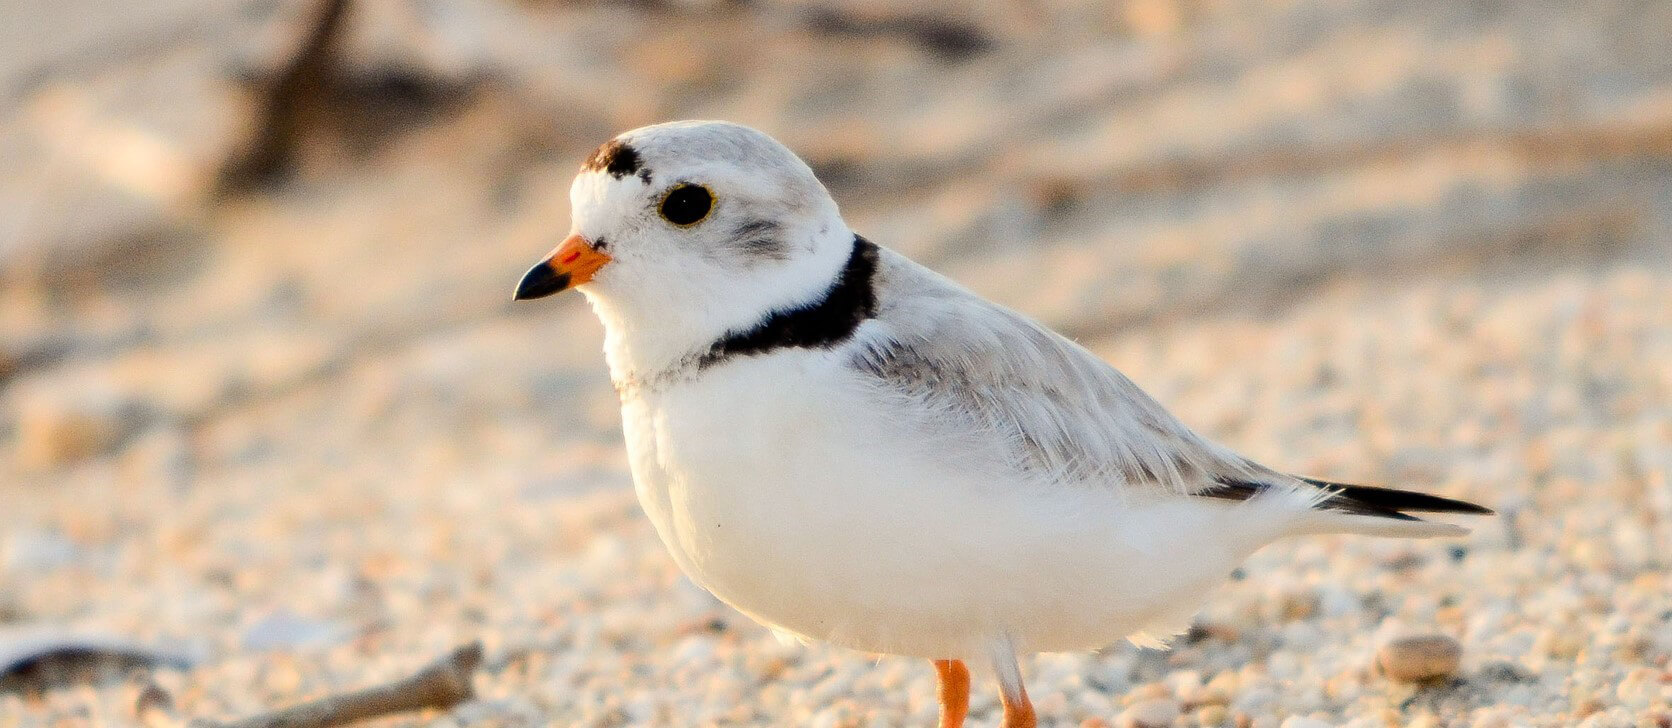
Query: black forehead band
point(617, 158)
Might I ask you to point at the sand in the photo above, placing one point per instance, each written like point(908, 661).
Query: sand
point(296, 432)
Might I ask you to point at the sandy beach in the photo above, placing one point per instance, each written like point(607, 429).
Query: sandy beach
point(268, 414)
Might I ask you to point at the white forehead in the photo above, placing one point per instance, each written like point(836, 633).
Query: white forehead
point(734, 158)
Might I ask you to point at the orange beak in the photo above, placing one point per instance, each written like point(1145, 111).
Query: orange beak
point(573, 263)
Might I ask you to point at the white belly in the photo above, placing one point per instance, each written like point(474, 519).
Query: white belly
point(779, 490)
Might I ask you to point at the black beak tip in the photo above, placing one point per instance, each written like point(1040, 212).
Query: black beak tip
point(540, 281)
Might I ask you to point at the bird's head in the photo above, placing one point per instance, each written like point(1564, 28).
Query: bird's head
point(691, 229)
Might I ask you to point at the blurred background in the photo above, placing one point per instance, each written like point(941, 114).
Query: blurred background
point(271, 428)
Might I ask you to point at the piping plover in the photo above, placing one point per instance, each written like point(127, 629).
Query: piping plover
point(851, 448)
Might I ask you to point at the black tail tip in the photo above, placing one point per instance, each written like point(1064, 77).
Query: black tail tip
point(1401, 500)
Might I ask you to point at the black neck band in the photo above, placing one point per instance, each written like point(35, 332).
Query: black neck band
point(825, 321)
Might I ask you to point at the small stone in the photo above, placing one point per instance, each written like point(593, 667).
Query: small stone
point(1561, 643)
point(1295, 721)
point(1404, 561)
point(1157, 713)
point(1503, 671)
point(1257, 700)
point(1186, 686)
point(154, 706)
point(38, 550)
point(1220, 689)
point(1148, 691)
point(1297, 605)
point(1201, 631)
point(283, 630)
point(62, 428)
point(1420, 658)
point(1639, 689)
point(1211, 715)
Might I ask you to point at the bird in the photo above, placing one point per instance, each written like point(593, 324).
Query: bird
point(852, 449)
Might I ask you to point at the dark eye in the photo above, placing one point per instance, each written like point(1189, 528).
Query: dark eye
point(687, 205)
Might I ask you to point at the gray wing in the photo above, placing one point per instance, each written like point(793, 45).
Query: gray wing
point(978, 379)
point(993, 381)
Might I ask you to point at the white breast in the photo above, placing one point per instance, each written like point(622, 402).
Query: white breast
point(777, 483)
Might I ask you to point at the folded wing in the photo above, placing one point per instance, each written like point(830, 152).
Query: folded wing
point(995, 382)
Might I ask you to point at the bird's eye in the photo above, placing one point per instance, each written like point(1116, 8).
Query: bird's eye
point(687, 205)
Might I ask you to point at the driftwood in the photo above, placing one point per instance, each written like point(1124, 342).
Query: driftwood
point(285, 99)
point(41, 657)
point(442, 684)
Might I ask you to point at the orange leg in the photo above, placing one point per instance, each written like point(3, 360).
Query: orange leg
point(954, 692)
point(1018, 710)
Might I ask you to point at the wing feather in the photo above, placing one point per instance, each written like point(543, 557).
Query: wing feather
point(992, 380)
point(995, 380)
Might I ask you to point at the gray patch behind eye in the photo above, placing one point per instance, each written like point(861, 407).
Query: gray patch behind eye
point(763, 238)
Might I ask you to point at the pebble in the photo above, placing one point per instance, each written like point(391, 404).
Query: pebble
point(1255, 702)
point(283, 630)
point(1156, 713)
point(1220, 689)
point(1420, 658)
point(65, 425)
point(1211, 715)
point(27, 550)
point(1297, 605)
